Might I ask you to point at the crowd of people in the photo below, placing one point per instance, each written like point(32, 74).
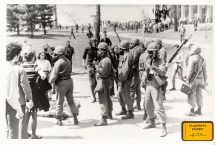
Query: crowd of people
point(32, 80)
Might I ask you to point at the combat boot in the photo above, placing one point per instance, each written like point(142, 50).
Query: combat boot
point(145, 115)
point(102, 122)
point(110, 115)
point(75, 118)
point(191, 113)
point(59, 120)
point(129, 115)
point(164, 132)
point(138, 107)
point(198, 111)
point(122, 112)
point(93, 100)
point(151, 124)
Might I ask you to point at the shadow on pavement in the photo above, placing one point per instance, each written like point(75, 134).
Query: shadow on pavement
point(176, 101)
point(63, 137)
point(41, 124)
point(81, 96)
point(168, 108)
point(116, 121)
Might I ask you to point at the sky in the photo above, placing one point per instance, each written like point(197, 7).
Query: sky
point(81, 13)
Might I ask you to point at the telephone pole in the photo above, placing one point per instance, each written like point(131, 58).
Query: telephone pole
point(55, 12)
point(97, 24)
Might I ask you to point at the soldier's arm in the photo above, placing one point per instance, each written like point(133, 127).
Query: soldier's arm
point(161, 70)
point(55, 71)
point(204, 72)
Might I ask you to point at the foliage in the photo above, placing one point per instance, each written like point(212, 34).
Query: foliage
point(45, 13)
point(14, 16)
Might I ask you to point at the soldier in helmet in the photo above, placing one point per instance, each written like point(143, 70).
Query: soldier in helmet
point(154, 67)
point(125, 76)
point(142, 60)
point(103, 70)
point(162, 50)
point(136, 51)
point(194, 64)
point(61, 75)
point(90, 55)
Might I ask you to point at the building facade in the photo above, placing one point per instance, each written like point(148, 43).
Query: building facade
point(188, 12)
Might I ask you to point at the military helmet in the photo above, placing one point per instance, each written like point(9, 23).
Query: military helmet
point(103, 45)
point(124, 44)
point(158, 41)
point(91, 40)
point(135, 41)
point(152, 47)
point(59, 50)
point(147, 42)
point(195, 49)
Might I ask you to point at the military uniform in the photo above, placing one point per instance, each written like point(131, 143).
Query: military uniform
point(195, 97)
point(135, 82)
point(103, 70)
point(125, 76)
point(61, 75)
point(154, 96)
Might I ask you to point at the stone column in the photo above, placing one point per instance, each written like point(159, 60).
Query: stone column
point(190, 13)
point(182, 11)
point(199, 13)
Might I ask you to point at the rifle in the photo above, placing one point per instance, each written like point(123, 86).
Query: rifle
point(176, 52)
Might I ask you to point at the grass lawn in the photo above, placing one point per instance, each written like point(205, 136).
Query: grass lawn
point(57, 38)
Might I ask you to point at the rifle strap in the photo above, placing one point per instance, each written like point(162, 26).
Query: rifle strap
point(197, 73)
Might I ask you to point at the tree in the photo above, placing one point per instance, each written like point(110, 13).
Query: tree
point(45, 14)
point(31, 16)
point(14, 16)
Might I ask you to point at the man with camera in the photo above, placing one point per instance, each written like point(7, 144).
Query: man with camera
point(154, 71)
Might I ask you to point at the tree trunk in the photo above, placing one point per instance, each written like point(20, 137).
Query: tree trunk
point(18, 29)
point(32, 30)
point(97, 24)
point(175, 18)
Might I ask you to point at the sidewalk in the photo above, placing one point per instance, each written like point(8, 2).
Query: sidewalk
point(175, 106)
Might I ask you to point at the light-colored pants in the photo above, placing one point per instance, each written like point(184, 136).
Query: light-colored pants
point(154, 100)
point(104, 98)
point(65, 88)
point(195, 96)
